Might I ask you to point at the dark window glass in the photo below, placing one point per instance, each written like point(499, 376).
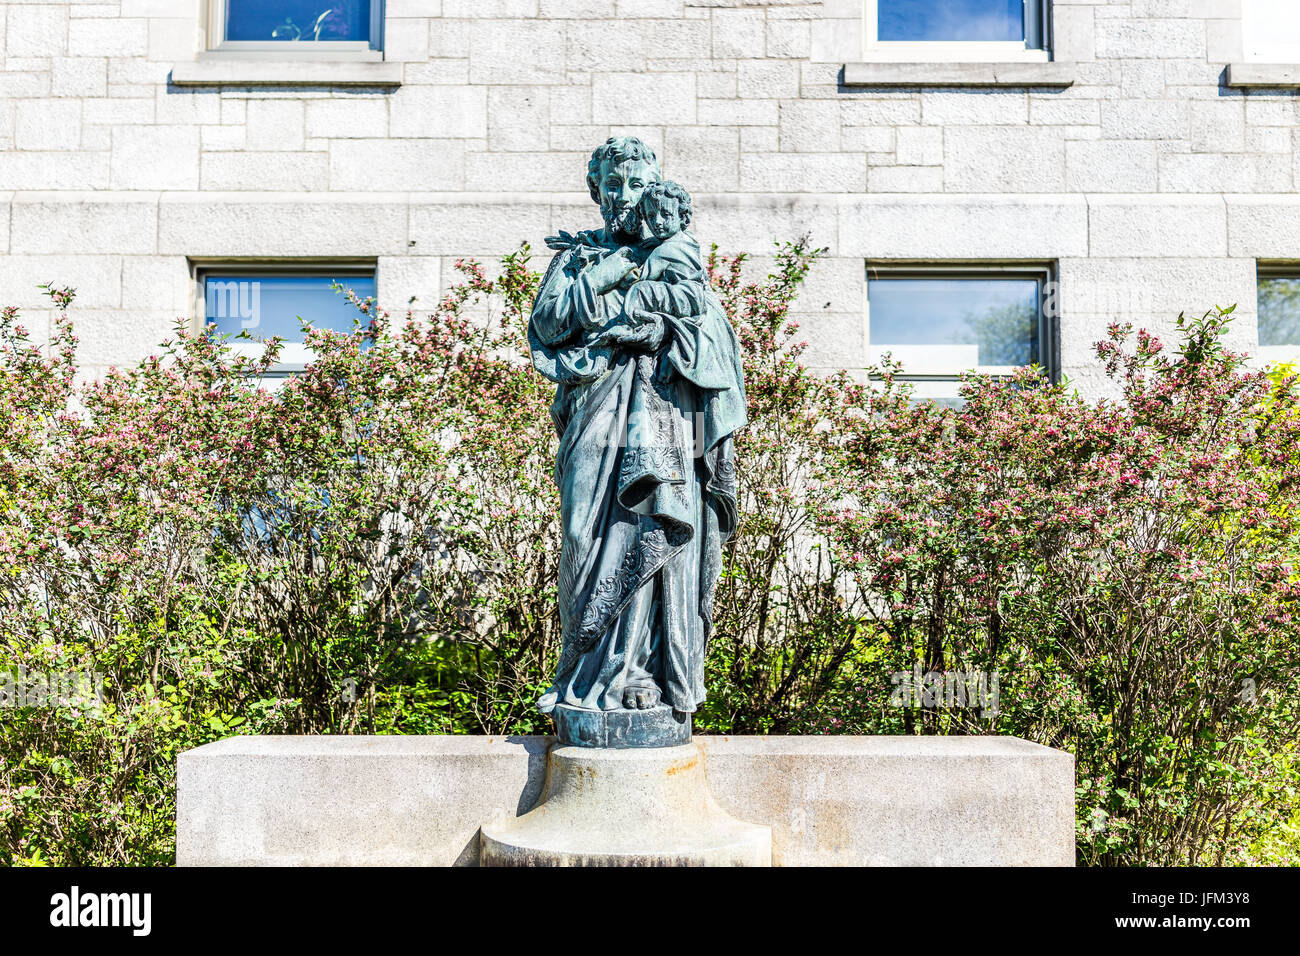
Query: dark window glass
point(298, 20)
point(267, 305)
point(1279, 311)
point(972, 20)
point(955, 323)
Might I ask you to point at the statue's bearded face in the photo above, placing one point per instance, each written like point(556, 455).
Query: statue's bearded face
point(620, 189)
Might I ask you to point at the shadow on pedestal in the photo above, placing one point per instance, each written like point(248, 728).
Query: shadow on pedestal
point(645, 806)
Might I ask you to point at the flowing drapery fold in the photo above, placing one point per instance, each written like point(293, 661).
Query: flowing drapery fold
point(647, 480)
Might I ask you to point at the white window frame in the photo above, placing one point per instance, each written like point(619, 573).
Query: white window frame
point(1043, 272)
point(203, 269)
point(951, 51)
point(218, 46)
point(1260, 34)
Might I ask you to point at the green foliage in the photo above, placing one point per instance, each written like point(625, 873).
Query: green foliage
point(372, 548)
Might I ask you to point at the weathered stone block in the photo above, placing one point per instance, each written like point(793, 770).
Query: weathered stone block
point(905, 179)
point(276, 124)
point(739, 34)
point(50, 170)
point(155, 157)
point(828, 800)
point(702, 158)
point(1145, 119)
point(920, 146)
point(401, 278)
point(809, 126)
point(48, 124)
point(98, 280)
point(518, 119)
point(363, 116)
point(1158, 226)
point(52, 224)
point(36, 30)
point(79, 76)
point(974, 108)
point(1120, 288)
point(1266, 227)
point(1125, 37)
point(625, 808)
point(1213, 173)
point(1003, 159)
point(1111, 166)
point(601, 45)
point(963, 227)
point(482, 226)
point(514, 52)
point(108, 37)
point(221, 225)
point(525, 171)
point(438, 112)
point(161, 282)
point(803, 172)
point(283, 172)
point(360, 164)
point(767, 79)
point(632, 98)
point(899, 801)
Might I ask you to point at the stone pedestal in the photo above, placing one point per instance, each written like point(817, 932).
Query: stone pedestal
point(629, 807)
point(420, 801)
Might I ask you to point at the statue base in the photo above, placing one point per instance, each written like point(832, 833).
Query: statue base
point(630, 807)
point(659, 726)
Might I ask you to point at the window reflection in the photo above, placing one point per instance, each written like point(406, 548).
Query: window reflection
point(298, 20)
point(1279, 319)
point(940, 20)
point(948, 325)
point(264, 306)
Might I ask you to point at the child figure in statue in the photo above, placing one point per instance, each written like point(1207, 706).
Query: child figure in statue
point(662, 309)
point(671, 282)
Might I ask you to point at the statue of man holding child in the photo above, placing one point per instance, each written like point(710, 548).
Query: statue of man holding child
point(649, 392)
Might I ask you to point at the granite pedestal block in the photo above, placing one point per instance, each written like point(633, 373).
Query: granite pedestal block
point(851, 801)
point(626, 807)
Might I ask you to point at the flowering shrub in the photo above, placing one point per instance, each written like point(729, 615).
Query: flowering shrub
point(1126, 568)
point(367, 549)
point(372, 548)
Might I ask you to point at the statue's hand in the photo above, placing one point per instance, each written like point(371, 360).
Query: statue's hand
point(646, 336)
point(561, 241)
point(610, 272)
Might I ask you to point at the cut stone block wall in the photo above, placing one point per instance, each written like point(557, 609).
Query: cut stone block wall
point(1153, 184)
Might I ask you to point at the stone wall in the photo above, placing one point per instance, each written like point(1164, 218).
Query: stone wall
point(1149, 182)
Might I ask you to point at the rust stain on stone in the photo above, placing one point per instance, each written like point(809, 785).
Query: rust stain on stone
point(684, 765)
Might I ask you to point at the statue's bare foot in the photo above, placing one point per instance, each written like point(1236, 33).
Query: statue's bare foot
point(641, 697)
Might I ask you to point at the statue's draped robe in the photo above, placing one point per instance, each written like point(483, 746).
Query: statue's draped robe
point(647, 484)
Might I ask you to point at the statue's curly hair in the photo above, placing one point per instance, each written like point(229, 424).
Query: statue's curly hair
point(616, 149)
point(667, 189)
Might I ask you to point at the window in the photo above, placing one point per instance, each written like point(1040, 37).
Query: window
point(1270, 31)
point(940, 321)
point(294, 28)
point(957, 30)
point(1279, 314)
point(267, 301)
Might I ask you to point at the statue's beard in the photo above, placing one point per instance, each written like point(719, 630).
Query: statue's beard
point(624, 223)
